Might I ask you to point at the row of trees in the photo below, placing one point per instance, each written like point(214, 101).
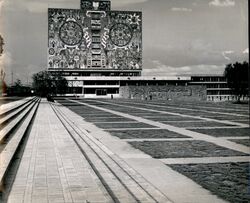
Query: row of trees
point(237, 76)
point(45, 84)
point(18, 89)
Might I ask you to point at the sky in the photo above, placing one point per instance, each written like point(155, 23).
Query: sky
point(180, 37)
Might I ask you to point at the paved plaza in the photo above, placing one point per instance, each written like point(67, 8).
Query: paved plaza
point(206, 142)
point(89, 150)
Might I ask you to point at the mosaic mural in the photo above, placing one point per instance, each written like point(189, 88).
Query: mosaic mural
point(94, 37)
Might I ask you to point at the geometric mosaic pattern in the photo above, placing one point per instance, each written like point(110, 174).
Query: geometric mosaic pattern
point(94, 37)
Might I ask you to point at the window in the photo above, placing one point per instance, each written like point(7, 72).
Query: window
point(101, 92)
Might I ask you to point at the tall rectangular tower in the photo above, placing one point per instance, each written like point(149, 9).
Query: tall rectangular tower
point(94, 40)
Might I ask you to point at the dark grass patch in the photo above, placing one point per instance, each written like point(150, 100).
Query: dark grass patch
point(90, 113)
point(243, 142)
point(205, 115)
point(122, 109)
point(159, 133)
point(108, 119)
point(123, 125)
point(171, 118)
point(96, 115)
point(223, 132)
point(243, 121)
point(230, 181)
point(218, 117)
point(196, 124)
point(183, 149)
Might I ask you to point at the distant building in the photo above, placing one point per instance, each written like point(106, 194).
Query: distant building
point(216, 87)
point(99, 52)
point(92, 46)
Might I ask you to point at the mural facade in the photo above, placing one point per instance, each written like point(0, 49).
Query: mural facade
point(94, 37)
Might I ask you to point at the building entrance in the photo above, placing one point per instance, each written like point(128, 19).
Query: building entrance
point(101, 92)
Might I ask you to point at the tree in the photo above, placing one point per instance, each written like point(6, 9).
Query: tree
point(1, 45)
point(60, 84)
point(237, 76)
point(18, 89)
point(45, 84)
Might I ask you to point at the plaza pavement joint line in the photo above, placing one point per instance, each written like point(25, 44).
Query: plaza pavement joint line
point(157, 139)
point(156, 172)
point(242, 109)
point(138, 187)
point(179, 114)
point(195, 135)
point(215, 127)
point(181, 108)
point(206, 160)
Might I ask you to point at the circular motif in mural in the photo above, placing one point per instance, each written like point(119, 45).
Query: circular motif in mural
point(120, 34)
point(51, 51)
point(71, 33)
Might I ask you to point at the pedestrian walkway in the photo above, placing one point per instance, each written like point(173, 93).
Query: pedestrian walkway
point(52, 168)
point(58, 166)
point(174, 185)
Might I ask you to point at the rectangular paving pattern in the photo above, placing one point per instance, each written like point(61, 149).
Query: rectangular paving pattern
point(171, 143)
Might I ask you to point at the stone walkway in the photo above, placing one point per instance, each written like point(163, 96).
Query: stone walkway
point(52, 168)
point(67, 159)
point(174, 185)
point(62, 162)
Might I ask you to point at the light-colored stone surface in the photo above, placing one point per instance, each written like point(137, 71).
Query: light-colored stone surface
point(157, 139)
point(182, 131)
point(127, 184)
point(52, 168)
point(177, 187)
point(56, 169)
point(11, 105)
point(206, 160)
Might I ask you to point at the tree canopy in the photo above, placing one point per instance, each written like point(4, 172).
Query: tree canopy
point(237, 76)
point(18, 89)
point(1, 45)
point(45, 84)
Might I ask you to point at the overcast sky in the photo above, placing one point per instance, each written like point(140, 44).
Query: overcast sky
point(179, 36)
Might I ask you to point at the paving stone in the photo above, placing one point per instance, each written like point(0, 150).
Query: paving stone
point(47, 172)
point(201, 195)
point(242, 141)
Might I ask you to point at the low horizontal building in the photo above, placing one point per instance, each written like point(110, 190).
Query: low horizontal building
point(99, 52)
point(216, 87)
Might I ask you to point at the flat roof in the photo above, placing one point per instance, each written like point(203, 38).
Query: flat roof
point(132, 78)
